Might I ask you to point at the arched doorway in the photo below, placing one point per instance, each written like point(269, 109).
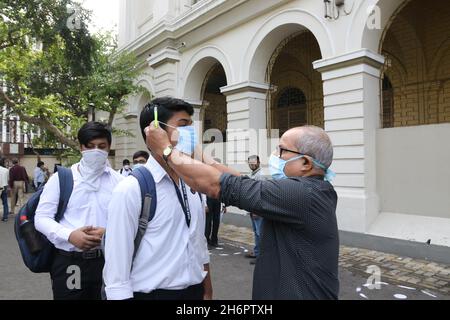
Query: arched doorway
point(298, 96)
point(417, 50)
point(214, 102)
point(412, 157)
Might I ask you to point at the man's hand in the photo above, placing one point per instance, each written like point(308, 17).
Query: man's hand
point(157, 139)
point(96, 231)
point(82, 240)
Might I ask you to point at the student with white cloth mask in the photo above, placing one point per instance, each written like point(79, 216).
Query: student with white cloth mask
point(76, 271)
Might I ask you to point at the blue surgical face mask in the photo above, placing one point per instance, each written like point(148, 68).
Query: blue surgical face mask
point(137, 165)
point(277, 165)
point(187, 139)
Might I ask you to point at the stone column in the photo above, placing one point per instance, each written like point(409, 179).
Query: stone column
point(246, 108)
point(351, 87)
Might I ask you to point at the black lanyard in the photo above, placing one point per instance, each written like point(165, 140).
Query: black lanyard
point(185, 203)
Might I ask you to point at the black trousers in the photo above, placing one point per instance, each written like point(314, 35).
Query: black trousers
point(76, 278)
point(212, 222)
point(194, 292)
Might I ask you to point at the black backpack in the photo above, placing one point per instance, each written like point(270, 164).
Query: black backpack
point(37, 251)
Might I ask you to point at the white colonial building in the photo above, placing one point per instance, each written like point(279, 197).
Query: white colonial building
point(375, 74)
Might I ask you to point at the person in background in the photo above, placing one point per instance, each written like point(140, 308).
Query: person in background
point(18, 177)
point(213, 210)
point(4, 175)
point(47, 173)
point(39, 175)
point(126, 169)
point(255, 165)
point(140, 158)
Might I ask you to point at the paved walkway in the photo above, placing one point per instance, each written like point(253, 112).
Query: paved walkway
point(401, 271)
point(401, 277)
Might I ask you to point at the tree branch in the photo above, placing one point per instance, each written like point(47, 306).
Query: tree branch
point(43, 123)
point(112, 113)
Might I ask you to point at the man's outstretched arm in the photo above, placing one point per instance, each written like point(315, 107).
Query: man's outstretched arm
point(203, 177)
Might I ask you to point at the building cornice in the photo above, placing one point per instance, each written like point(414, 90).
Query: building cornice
point(200, 14)
point(362, 56)
point(164, 56)
point(246, 86)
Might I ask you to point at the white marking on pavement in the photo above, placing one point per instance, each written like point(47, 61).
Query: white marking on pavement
point(364, 296)
point(358, 289)
point(409, 288)
point(429, 294)
point(400, 296)
point(371, 284)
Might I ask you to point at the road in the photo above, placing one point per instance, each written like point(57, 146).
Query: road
point(231, 275)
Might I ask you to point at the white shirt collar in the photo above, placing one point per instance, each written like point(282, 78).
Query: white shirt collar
point(156, 169)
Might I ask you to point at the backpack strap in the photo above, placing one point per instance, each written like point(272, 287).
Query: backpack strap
point(148, 195)
point(65, 177)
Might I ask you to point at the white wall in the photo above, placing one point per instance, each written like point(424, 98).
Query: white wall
point(413, 165)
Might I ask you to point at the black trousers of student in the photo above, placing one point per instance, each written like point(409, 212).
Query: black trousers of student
point(194, 292)
point(212, 222)
point(64, 271)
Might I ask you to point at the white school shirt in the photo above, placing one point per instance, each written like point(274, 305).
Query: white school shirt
point(4, 177)
point(170, 256)
point(85, 208)
point(124, 172)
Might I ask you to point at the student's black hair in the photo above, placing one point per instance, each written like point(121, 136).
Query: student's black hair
point(254, 157)
point(167, 106)
point(125, 162)
point(94, 130)
point(141, 153)
point(40, 163)
point(2, 162)
point(15, 161)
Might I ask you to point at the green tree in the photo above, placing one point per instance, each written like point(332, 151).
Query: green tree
point(52, 69)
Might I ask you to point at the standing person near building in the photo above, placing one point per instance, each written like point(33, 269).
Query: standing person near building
point(47, 173)
point(256, 174)
point(172, 261)
point(77, 236)
point(126, 168)
point(39, 175)
point(140, 158)
point(300, 241)
point(4, 175)
point(213, 211)
point(18, 177)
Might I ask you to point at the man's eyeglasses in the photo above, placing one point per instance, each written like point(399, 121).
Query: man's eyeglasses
point(280, 150)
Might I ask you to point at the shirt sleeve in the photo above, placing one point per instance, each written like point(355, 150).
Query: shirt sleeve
point(123, 215)
point(44, 219)
point(282, 200)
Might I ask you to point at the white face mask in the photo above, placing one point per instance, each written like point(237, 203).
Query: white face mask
point(95, 159)
point(126, 167)
point(92, 165)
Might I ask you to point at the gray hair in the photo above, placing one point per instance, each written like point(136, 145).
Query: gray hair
point(315, 142)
